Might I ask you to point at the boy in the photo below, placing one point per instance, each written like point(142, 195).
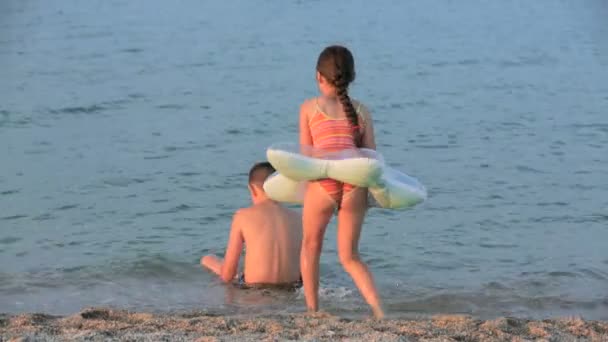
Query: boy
point(272, 234)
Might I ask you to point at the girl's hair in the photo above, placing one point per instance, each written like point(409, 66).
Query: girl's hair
point(337, 65)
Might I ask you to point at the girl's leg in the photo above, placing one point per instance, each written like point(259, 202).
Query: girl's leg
point(350, 221)
point(316, 213)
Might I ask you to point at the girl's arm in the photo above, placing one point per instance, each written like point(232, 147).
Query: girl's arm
point(368, 139)
point(305, 137)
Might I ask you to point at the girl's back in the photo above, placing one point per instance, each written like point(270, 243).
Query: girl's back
point(329, 126)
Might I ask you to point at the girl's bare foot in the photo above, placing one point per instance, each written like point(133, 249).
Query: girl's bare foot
point(378, 313)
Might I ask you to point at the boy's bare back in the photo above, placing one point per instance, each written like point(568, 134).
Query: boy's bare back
point(273, 237)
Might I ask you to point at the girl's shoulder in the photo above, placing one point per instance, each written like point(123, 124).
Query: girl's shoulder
point(308, 107)
point(309, 103)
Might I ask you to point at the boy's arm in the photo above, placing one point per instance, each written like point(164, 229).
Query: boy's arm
point(233, 250)
point(227, 268)
point(213, 263)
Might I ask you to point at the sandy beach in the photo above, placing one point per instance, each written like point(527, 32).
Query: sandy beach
point(102, 324)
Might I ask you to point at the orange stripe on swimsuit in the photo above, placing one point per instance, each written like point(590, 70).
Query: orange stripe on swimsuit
point(332, 134)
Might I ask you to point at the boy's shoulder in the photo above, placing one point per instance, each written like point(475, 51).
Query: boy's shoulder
point(247, 213)
point(241, 213)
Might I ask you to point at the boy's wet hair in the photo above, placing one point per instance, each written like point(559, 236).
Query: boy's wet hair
point(337, 65)
point(259, 172)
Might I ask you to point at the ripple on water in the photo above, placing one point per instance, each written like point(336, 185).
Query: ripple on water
point(38, 151)
point(132, 50)
point(67, 207)
point(234, 131)
point(505, 261)
point(583, 129)
point(22, 121)
point(9, 240)
point(162, 228)
point(93, 108)
point(79, 109)
point(146, 240)
point(171, 106)
point(43, 217)
point(525, 61)
point(561, 274)
point(189, 174)
point(136, 96)
point(552, 204)
point(173, 210)
point(124, 181)
point(192, 146)
point(13, 217)
point(595, 273)
point(494, 285)
point(4, 117)
point(157, 157)
point(497, 245)
point(528, 169)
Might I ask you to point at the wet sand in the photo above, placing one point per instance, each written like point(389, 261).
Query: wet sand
point(101, 324)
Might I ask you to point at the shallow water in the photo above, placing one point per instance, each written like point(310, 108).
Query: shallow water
point(127, 130)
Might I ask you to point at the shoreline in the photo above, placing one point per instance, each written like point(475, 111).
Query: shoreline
point(102, 324)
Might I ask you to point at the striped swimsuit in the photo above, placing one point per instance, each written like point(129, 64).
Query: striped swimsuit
point(331, 134)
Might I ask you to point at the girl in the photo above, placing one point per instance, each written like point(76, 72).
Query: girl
point(334, 122)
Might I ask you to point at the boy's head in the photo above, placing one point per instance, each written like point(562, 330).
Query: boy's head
point(257, 176)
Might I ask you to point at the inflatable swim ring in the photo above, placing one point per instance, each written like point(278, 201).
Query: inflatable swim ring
point(296, 165)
